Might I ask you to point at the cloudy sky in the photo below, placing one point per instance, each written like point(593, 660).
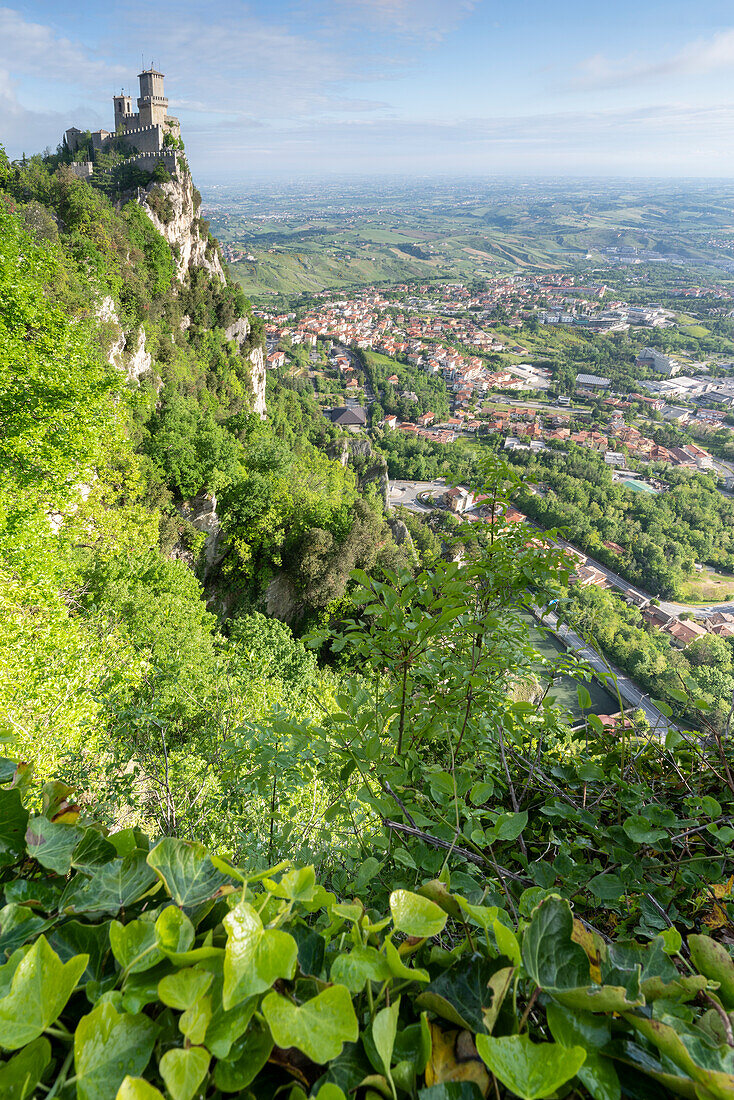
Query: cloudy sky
point(389, 87)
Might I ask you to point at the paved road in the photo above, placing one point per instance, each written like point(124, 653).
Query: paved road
point(697, 610)
point(405, 493)
point(627, 688)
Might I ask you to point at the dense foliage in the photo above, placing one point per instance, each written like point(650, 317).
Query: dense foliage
point(132, 968)
point(530, 902)
point(663, 535)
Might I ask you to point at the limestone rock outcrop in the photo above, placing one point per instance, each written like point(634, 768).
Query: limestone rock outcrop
point(182, 226)
point(128, 355)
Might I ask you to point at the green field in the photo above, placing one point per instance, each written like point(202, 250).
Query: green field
point(341, 237)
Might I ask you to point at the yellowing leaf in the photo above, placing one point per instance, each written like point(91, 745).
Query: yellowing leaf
point(454, 1058)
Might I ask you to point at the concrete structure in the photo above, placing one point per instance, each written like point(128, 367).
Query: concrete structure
point(661, 364)
point(144, 131)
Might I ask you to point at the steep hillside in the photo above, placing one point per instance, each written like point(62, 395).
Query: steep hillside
point(144, 477)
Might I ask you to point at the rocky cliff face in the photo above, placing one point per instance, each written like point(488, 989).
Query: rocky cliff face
point(172, 210)
point(127, 353)
point(356, 451)
point(239, 330)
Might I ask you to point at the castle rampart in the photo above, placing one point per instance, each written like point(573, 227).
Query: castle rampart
point(144, 130)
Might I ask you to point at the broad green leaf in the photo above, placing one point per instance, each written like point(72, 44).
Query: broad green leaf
point(226, 1025)
point(531, 1070)
point(193, 1023)
point(247, 1058)
point(362, 964)
point(92, 851)
point(319, 1028)
point(551, 957)
point(52, 844)
point(134, 945)
point(183, 989)
point(187, 872)
point(480, 792)
point(117, 885)
point(642, 831)
point(255, 956)
point(570, 1028)
point(20, 1075)
point(108, 1046)
point(413, 1044)
point(384, 1030)
point(174, 931)
point(583, 697)
point(715, 962)
point(462, 993)
point(40, 987)
point(398, 969)
point(415, 915)
point(184, 1070)
point(509, 826)
point(75, 937)
point(19, 925)
point(136, 1088)
point(13, 824)
point(296, 885)
point(330, 1091)
point(507, 942)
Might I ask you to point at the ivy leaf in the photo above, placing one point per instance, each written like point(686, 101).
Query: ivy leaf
point(113, 887)
point(75, 938)
point(551, 957)
point(52, 844)
point(255, 956)
point(174, 932)
point(246, 1060)
point(92, 851)
point(39, 990)
point(531, 1070)
point(108, 1046)
point(643, 831)
point(136, 1088)
point(184, 988)
point(184, 1070)
point(384, 1030)
point(13, 824)
point(507, 942)
point(362, 964)
point(134, 945)
point(461, 993)
point(319, 1028)
point(21, 1074)
point(187, 872)
point(415, 915)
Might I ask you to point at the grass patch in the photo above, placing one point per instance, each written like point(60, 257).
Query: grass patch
point(708, 586)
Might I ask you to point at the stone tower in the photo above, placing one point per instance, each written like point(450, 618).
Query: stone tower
point(152, 103)
point(123, 109)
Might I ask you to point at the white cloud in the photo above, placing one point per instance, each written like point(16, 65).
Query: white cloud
point(33, 49)
point(427, 20)
point(698, 58)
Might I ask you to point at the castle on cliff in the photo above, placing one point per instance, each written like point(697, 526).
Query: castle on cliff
point(149, 132)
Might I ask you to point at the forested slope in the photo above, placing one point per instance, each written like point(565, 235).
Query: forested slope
point(397, 738)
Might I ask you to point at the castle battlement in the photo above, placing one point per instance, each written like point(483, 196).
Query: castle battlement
point(144, 130)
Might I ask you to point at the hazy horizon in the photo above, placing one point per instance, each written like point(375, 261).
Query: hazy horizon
point(379, 87)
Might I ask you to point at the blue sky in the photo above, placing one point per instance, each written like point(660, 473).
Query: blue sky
point(389, 87)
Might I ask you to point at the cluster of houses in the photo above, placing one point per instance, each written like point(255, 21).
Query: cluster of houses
point(680, 631)
point(615, 440)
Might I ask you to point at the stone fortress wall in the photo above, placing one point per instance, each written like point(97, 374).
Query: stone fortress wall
point(144, 130)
